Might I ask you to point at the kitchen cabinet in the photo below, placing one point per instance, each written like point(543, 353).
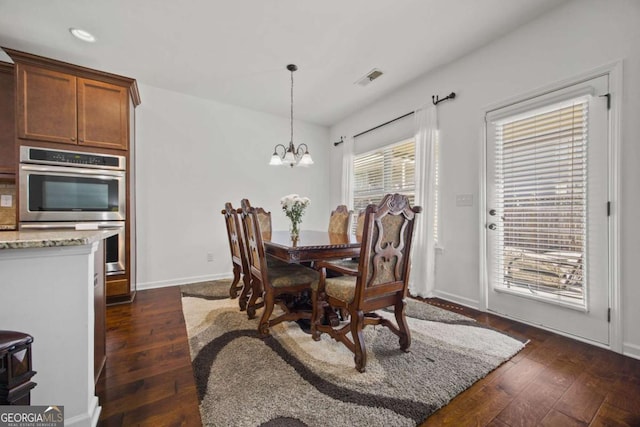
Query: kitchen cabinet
point(7, 122)
point(47, 285)
point(60, 107)
point(65, 106)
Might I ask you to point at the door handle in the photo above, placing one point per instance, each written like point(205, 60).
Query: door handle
point(492, 226)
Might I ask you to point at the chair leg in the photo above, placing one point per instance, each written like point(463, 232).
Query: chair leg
point(234, 288)
point(263, 326)
point(357, 323)
point(405, 334)
point(252, 305)
point(244, 295)
point(315, 315)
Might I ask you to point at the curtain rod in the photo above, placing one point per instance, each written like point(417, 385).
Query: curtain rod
point(435, 99)
point(374, 128)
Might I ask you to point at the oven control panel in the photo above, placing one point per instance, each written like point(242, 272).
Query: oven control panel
point(69, 158)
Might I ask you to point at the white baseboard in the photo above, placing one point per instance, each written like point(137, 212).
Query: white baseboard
point(141, 286)
point(467, 302)
point(89, 418)
point(631, 350)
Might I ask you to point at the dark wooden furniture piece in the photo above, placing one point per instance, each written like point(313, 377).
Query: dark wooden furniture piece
point(381, 280)
point(65, 106)
point(340, 220)
point(238, 256)
point(8, 157)
point(311, 246)
point(58, 106)
point(15, 368)
point(275, 285)
point(238, 250)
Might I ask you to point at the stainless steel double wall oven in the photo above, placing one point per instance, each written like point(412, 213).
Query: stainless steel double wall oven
point(62, 189)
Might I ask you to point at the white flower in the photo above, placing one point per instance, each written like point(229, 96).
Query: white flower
point(293, 206)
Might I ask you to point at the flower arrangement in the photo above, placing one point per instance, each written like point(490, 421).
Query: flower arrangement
point(293, 207)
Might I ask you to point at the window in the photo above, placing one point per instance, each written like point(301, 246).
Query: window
point(390, 169)
point(541, 199)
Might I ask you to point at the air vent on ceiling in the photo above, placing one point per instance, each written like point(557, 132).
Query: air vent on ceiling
point(371, 76)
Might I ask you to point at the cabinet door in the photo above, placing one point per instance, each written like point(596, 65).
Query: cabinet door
point(7, 121)
point(102, 114)
point(46, 105)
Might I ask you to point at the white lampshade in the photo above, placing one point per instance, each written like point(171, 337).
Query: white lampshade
point(289, 158)
point(306, 160)
point(275, 160)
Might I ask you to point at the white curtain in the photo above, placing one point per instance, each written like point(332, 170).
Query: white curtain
point(347, 173)
point(422, 280)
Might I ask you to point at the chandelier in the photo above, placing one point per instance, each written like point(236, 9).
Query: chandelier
point(291, 155)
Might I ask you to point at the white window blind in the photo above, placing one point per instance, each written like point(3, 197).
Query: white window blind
point(541, 206)
point(389, 169)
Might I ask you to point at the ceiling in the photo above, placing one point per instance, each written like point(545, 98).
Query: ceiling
point(236, 51)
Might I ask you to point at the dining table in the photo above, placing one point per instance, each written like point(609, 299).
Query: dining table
point(311, 245)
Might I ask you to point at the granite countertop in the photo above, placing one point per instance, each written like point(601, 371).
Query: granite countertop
point(50, 238)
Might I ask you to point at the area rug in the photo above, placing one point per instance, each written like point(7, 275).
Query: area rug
point(290, 380)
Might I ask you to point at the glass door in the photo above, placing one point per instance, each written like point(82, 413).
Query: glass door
point(547, 230)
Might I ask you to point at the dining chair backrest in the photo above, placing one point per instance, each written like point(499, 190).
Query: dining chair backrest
point(238, 254)
point(339, 220)
point(253, 238)
point(360, 225)
point(264, 220)
point(234, 233)
point(385, 251)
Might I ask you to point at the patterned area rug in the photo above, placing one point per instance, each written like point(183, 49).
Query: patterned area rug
point(291, 380)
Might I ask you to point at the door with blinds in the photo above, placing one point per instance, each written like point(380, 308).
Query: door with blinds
point(547, 210)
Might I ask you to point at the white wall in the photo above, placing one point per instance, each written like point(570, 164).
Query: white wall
point(194, 155)
point(570, 41)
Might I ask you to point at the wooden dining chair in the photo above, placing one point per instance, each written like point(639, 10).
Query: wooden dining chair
point(380, 281)
point(352, 263)
point(275, 286)
point(238, 256)
point(340, 220)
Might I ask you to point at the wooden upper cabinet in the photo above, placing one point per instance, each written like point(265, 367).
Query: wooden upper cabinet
point(46, 105)
point(64, 103)
point(7, 122)
point(103, 117)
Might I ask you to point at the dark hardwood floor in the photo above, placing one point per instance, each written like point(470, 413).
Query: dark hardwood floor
point(554, 381)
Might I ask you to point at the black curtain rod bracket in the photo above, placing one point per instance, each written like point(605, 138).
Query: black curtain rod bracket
point(437, 100)
point(335, 144)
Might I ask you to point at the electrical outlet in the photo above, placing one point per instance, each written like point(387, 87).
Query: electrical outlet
point(209, 257)
point(6, 200)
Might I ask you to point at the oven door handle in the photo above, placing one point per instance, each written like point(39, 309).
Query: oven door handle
point(71, 171)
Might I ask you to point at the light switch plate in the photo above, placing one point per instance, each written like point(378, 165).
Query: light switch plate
point(464, 199)
point(6, 200)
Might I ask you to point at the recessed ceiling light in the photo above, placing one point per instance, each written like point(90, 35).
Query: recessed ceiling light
point(83, 35)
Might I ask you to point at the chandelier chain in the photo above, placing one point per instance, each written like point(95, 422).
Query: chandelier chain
point(291, 105)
